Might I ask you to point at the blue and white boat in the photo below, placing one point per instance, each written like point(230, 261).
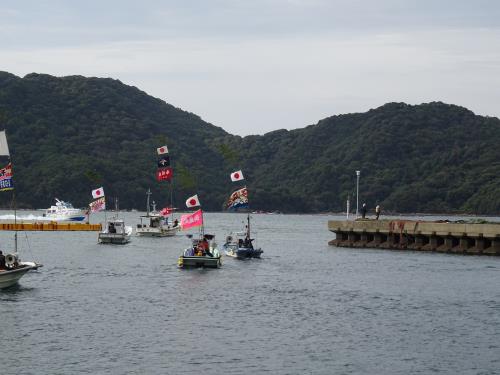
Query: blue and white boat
point(64, 211)
point(241, 245)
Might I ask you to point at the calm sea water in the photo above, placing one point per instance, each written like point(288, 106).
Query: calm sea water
point(304, 308)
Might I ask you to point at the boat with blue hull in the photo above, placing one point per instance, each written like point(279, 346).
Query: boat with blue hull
point(64, 211)
point(241, 245)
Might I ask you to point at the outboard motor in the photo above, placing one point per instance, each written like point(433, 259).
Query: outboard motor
point(11, 261)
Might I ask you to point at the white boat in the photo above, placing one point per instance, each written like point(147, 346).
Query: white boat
point(14, 269)
point(154, 224)
point(202, 253)
point(11, 267)
point(64, 211)
point(115, 232)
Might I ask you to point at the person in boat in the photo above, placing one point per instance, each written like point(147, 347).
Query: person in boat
point(2, 260)
point(248, 242)
point(176, 222)
point(206, 247)
point(112, 228)
point(199, 249)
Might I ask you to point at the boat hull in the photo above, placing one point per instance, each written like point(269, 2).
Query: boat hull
point(113, 238)
point(242, 252)
point(199, 262)
point(11, 277)
point(156, 232)
point(66, 217)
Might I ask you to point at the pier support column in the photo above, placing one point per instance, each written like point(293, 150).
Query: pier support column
point(363, 240)
point(478, 246)
point(419, 242)
point(446, 246)
point(494, 249)
point(432, 243)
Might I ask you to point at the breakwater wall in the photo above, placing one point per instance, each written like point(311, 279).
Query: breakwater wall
point(49, 226)
point(459, 238)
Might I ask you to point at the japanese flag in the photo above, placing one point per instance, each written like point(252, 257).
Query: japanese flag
point(162, 150)
point(237, 176)
point(193, 201)
point(98, 193)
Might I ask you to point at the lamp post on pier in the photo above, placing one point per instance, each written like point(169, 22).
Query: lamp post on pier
point(357, 192)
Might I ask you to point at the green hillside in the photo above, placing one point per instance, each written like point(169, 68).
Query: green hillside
point(426, 158)
point(69, 135)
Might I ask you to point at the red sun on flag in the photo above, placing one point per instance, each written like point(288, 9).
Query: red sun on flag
point(192, 202)
point(236, 175)
point(98, 192)
point(162, 149)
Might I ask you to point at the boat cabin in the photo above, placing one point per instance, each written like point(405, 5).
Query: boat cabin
point(116, 226)
point(153, 221)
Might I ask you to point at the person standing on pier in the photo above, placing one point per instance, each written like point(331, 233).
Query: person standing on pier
point(377, 212)
point(363, 211)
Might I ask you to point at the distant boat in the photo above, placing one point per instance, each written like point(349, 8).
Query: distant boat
point(162, 223)
point(11, 266)
point(203, 251)
point(64, 211)
point(115, 232)
point(240, 245)
point(155, 224)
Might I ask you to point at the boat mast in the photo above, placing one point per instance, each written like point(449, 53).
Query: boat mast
point(15, 218)
point(248, 215)
point(148, 193)
point(248, 225)
point(171, 195)
point(4, 151)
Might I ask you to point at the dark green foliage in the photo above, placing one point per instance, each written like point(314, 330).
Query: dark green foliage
point(70, 135)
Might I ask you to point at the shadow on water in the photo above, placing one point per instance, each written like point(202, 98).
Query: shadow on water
point(6, 294)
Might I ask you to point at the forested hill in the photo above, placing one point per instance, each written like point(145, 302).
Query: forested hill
point(69, 135)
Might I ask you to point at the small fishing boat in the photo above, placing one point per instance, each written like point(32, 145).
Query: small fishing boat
point(11, 267)
point(162, 223)
point(115, 232)
point(202, 253)
point(14, 269)
point(156, 224)
point(241, 246)
point(64, 211)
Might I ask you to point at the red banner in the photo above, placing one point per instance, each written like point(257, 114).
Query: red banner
point(192, 220)
point(166, 211)
point(163, 174)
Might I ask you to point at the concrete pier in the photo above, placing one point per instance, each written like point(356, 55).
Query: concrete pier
point(456, 238)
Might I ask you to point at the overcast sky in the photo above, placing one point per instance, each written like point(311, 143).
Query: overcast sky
point(253, 66)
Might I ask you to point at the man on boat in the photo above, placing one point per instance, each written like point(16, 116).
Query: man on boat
point(248, 242)
point(206, 248)
point(2, 261)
